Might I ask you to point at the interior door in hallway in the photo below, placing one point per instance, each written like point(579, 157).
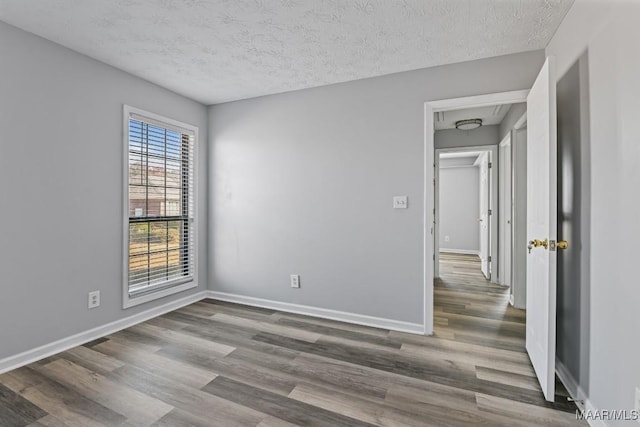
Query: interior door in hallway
point(541, 227)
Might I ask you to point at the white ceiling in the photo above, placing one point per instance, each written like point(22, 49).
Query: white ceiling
point(461, 154)
point(492, 115)
point(459, 158)
point(222, 50)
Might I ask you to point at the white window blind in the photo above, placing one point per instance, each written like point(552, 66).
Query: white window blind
point(161, 235)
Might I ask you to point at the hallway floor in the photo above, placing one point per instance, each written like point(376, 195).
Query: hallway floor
point(470, 309)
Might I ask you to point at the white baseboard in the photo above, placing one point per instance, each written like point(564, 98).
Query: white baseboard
point(460, 251)
point(588, 406)
point(324, 313)
point(33, 355)
point(13, 362)
point(577, 393)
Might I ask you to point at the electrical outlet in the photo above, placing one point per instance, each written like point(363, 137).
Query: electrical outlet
point(94, 299)
point(295, 280)
point(447, 238)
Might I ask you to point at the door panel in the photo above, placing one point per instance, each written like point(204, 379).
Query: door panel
point(541, 226)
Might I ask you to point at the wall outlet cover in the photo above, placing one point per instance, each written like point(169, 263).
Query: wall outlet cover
point(295, 280)
point(94, 299)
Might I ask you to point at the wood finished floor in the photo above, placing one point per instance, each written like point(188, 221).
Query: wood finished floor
point(221, 364)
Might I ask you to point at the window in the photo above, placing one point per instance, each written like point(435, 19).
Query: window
point(160, 225)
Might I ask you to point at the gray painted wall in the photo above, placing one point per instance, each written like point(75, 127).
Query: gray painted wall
point(608, 31)
point(61, 183)
point(302, 182)
point(459, 207)
point(570, 328)
point(506, 125)
point(451, 138)
point(520, 242)
point(519, 219)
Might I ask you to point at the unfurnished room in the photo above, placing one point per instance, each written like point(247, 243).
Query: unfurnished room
point(319, 213)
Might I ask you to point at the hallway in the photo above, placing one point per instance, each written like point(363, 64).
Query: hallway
point(472, 311)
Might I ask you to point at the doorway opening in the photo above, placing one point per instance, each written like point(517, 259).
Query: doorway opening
point(430, 231)
point(474, 226)
point(466, 203)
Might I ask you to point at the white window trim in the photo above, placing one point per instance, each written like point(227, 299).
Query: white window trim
point(128, 301)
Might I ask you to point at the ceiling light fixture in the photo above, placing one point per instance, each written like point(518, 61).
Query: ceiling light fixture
point(468, 124)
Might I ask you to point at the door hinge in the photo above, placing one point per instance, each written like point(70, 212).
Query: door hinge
point(490, 212)
point(490, 165)
point(434, 257)
point(489, 258)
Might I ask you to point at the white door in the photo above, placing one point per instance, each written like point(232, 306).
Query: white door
point(484, 220)
point(541, 227)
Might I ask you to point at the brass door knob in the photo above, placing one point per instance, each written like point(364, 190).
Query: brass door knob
point(537, 243)
point(562, 244)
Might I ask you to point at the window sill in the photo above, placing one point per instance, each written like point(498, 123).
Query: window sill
point(132, 301)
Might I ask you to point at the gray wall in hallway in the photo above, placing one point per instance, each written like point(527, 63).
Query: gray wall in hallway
point(608, 32)
point(451, 138)
point(61, 177)
point(459, 208)
point(513, 115)
point(520, 242)
point(519, 220)
point(302, 182)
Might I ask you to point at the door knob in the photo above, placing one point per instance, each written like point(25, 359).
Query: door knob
point(562, 244)
point(535, 243)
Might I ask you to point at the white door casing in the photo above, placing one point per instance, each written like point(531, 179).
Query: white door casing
point(436, 216)
point(508, 212)
point(483, 216)
point(505, 211)
point(430, 107)
point(541, 225)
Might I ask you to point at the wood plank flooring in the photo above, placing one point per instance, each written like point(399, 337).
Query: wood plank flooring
point(221, 364)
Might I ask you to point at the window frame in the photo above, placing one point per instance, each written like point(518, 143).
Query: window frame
point(167, 288)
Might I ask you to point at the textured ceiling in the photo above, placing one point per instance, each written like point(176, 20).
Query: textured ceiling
point(222, 50)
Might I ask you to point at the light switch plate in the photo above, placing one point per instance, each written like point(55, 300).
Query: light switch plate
point(400, 202)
